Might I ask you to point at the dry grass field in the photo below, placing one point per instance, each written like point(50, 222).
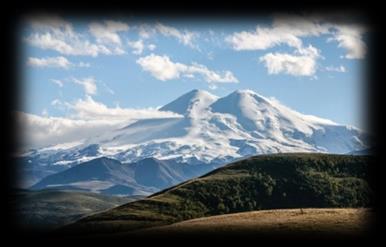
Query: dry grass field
point(340, 221)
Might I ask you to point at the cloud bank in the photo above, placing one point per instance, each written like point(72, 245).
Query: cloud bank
point(88, 118)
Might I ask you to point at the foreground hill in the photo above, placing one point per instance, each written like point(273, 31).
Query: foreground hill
point(313, 221)
point(257, 183)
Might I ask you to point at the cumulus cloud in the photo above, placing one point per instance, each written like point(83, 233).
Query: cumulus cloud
point(261, 39)
point(350, 38)
point(284, 30)
point(88, 84)
point(107, 32)
point(55, 33)
point(54, 62)
point(137, 46)
point(303, 63)
point(162, 68)
point(88, 118)
point(289, 30)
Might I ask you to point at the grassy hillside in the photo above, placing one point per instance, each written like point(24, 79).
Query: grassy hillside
point(257, 183)
point(46, 209)
point(312, 221)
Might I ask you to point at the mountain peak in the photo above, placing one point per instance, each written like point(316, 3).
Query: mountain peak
point(245, 91)
point(238, 101)
point(242, 93)
point(191, 102)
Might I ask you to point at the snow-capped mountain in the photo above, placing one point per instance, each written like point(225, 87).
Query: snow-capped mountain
point(212, 130)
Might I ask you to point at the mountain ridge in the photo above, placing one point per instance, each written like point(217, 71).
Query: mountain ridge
point(109, 176)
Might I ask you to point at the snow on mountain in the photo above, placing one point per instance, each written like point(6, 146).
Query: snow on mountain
point(214, 130)
point(192, 104)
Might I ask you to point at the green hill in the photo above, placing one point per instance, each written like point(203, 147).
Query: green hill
point(257, 183)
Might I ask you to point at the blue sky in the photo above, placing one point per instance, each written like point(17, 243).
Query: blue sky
point(311, 65)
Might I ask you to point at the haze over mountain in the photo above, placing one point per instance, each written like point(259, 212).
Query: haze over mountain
point(111, 177)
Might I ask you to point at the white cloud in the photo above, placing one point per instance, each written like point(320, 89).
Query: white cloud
point(209, 75)
point(68, 45)
point(88, 84)
point(107, 32)
point(56, 102)
point(151, 47)
point(50, 22)
point(301, 64)
point(89, 109)
point(350, 38)
point(185, 37)
point(88, 119)
point(285, 30)
point(261, 39)
point(289, 30)
point(145, 31)
point(54, 62)
point(162, 68)
point(137, 46)
point(341, 69)
point(40, 131)
point(54, 33)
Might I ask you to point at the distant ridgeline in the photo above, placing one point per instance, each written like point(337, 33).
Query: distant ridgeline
point(260, 182)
